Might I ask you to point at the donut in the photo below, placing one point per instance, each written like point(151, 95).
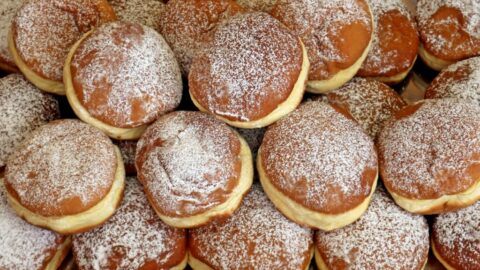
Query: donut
point(120, 77)
point(146, 12)
point(66, 176)
point(395, 42)
point(128, 149)
point(23, 108)
point(252, 74)
point(385, 237)
point(370, 102)
point(188, 25)
point(258, 5)
point(24, 246)
point(7, 11)
point(455, 238)
point(257, 236)
point(43, 31)
point(428, 154)
point(459, 80)
point(336, 33)
point(134, 238)
point(193, 167)
point(449, 31)
point(318, 166)
point(253, 137)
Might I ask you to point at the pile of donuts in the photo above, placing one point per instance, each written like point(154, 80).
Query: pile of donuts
point(249, 134)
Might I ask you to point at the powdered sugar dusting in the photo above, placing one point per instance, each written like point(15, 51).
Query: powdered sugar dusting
point(460, 80)
point(23, 246)
point(385, 237)
point(127, 73)
point(134, 233)
point(421, 153)
point(146, 12)
point(250, 68)
point(257, 236)
point(187, 161)
point(323, 152)
point(8, 8)
point(258, 5)
point(371, 103)
point(23, 108)
point(62, 161)
point(459, 235)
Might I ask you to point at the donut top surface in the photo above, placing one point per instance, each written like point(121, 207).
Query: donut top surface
point(457, 237)
point(395, 39)
point(370, 102)
point(62, 168)
point(459, 80)
point(23, 107)
point(257, 236)
point(385, 237)
point(188, 163)
point(320, 158)
point(259, 5)
point(188, 25)
point(133, 238)
point(8, 8)
point(23, 246)
point(450, 29)
point(250, 68)
point(431, 148)
point(335, 32)
point(146, 12)
point(125, 75)
point(44, 30)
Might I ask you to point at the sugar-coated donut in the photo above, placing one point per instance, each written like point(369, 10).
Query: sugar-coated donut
point(43, 31)
point(8, 8)
point(449, 31)
point(456, 238)
point(133, 238)
point(23, 108)
point(193, 167)
point(370, 102)
point(24, 246)
point(318, 166)
point(258, 5)
point(429, 155)
point(128, 149)
point(385, 237)
point(336, 33)
point(459, 80)
point(188, 25)
point(395, 42)
point(146, 12)
point(257, 236)
point(252, 74)
point(121, 77)
point(66, 176)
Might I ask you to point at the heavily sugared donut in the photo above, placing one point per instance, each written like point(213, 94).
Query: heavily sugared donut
point(459, 80)
point(121, 77)
point(133, 238)
point(23, 108)
point(429, 155)
point(146, 12)
point(128, 149)
point(456, 238)
point(43, 31)
point(194, 168)
point(252, 74)
point(258, 5)
point(257, 236)
point(385, 237)
point(370, 102)
point(336, 33)
point(66, 176)
point(188, 26)
point(395, 42)
point(24, 246)
point(8, 8)
point(449, 31)
point(318, 166)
